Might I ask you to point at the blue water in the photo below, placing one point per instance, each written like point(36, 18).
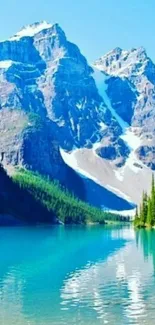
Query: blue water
point(77, 275)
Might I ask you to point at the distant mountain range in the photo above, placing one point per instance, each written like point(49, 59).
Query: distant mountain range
point(56, 110)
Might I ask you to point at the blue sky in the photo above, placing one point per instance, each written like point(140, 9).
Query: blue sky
point(96, 26)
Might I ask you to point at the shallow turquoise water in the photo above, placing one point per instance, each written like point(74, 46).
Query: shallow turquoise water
point(77, 275)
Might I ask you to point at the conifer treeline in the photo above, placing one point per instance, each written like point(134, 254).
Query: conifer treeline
point(145, 215)
point(33, 199)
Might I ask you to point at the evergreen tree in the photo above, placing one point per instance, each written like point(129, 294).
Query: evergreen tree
point(146, 215)
point(32, 198)
point(136, 214)
point(144, 208)
point(149, 213)
point(153, 199)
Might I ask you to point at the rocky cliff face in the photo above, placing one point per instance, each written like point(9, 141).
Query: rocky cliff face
point(131, 89)
point(51, 98)
point(42, 72)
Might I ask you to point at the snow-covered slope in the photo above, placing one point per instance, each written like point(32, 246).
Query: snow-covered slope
point(129, 70)
point(123, 63)
point(31, 30)
point(131, 90)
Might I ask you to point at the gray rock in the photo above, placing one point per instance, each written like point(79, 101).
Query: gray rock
point(147, 155)
point(49, 98)
point(131, 89)
point(45, 74)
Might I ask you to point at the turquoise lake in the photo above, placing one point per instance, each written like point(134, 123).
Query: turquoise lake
point(77, 275)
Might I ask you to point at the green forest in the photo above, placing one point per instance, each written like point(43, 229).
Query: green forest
point(145, 215)
point(35, 199)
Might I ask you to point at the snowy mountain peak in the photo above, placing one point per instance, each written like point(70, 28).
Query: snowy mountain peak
point(31, 30)
point(106, 115)
point(123, 63)
point(115, 51)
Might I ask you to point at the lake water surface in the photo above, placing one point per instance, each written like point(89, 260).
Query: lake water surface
point(77, 275)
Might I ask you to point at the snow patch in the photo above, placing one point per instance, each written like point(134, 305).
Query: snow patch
point(79, 105)
point(31, 30)
point(61, 123)
point(124, 213)
point(78, 131)
point(96, 146)
point(100, 78)
point(69, 158)
point(119, 174)
point(132, 140)
point(132, 162)
point(120, 193)
point(103, 126)
point(72, 123)
point(98, 143)
point(71, 161)
point(128, 135)
point(5, 64)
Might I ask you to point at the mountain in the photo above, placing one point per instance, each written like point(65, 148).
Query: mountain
point(43, 73)
point(57, 111)
point(131, 89)
point(126, 82)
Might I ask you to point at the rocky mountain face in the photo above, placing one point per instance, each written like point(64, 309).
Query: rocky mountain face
point(43, 73)
point(56, 110)
point(131, 89)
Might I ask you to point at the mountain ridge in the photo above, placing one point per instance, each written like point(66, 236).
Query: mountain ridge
point(101, 113)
